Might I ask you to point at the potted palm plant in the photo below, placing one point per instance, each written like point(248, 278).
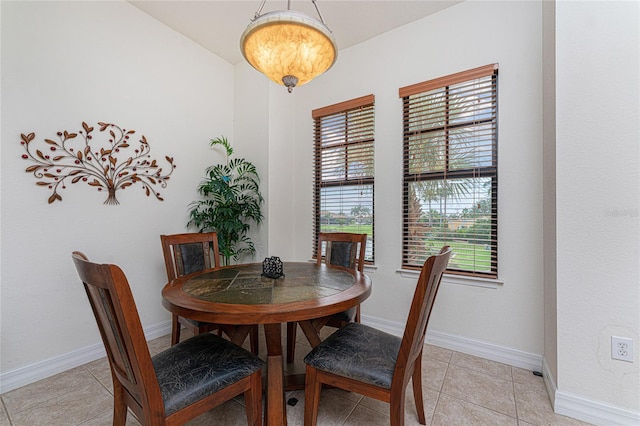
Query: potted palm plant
point(231, 201)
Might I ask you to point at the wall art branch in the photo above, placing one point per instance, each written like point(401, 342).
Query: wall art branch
point(76, 157)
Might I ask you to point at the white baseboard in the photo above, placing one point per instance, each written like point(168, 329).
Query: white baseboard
point(597, 413)
point(478, 348)
point(549, 382)
point(41, 370)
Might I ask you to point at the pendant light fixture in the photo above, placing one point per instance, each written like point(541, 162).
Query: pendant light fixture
point(289, 47)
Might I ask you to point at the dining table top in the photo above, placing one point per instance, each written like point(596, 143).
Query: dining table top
point(240, 294)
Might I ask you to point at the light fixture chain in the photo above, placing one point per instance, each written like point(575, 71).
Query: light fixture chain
point(319, 14)
point(257, 15)
point(262, 3)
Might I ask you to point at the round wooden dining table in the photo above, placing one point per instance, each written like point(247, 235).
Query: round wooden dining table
point(238, 295)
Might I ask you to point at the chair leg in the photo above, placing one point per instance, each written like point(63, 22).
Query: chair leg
point(291, 341)
point(312, 389)
point(416, 378)
point(253, 336)
point(396, 408)
point(175, 330)
point(119, 405)
point(253, 400)
point(357, 317)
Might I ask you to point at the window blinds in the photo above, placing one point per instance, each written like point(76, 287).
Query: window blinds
point(344, 169)
point(450, 177)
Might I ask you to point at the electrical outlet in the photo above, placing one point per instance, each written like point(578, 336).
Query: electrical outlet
point(622, 348)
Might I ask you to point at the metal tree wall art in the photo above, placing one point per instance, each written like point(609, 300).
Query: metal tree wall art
point(76, 157)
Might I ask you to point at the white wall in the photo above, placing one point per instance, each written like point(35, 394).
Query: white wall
point(68, 62)
point(263, 120)
point(598, 226)
point(464, 36)
point(251, 140)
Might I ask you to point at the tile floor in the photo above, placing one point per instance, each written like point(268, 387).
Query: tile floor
point(459, 389)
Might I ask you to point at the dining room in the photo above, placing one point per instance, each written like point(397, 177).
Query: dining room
point(565, 226)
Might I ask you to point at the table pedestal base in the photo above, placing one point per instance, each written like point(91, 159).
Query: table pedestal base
point(275, 408)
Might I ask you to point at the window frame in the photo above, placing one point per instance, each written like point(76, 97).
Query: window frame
point(446, 174)
point(345, 108)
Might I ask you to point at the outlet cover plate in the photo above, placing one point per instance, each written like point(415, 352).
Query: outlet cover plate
point(622, 348)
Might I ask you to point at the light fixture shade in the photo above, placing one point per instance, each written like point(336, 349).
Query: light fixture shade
point(289, 47)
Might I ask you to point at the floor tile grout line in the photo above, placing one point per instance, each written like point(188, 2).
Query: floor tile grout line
point(478, 405)
point(483, 373)
point(6, 411)
point(350, 412)
point(515, 399)
point(106, 388)
point(94, 417)
point(100, 382)
point(435, 408)
point(360, 404)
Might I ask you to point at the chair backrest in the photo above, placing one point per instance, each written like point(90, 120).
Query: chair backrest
point(342, 249)
point(190, 252)
point(117, 316)
point(419, 313)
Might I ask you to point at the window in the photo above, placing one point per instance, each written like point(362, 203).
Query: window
point(344, 169)
point(450, 171)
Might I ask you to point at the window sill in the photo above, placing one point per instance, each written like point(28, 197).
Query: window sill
point(456, 279)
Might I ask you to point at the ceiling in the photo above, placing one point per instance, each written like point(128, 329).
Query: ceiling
point(218, 24)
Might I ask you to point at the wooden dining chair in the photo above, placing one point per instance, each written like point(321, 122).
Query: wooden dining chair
point(340, 249)
point(187, 253)
point(177, 384)
point(362, 359)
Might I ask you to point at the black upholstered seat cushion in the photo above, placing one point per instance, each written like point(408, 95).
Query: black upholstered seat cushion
point(358, 352)
point(199, 366)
